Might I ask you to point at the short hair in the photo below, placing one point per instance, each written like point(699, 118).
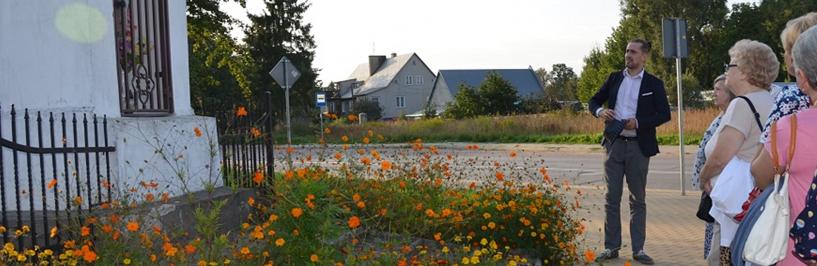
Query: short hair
point(796, 26)
point(804, 55)
point(719, 78)
point(645, 45)
point(757, 61)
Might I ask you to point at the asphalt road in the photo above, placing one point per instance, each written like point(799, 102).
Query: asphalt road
point(579, 164)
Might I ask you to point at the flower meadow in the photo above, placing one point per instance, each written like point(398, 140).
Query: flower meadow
point(351, 204)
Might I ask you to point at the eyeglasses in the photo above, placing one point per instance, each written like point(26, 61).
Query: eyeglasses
point(726, 67)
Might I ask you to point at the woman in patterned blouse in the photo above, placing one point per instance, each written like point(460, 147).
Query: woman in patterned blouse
point(789, 99)
point(722, 98)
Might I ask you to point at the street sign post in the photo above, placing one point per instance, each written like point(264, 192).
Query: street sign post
point(320, 101)
point(675, 46)
point(285, 74)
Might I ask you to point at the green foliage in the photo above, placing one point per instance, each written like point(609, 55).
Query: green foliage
point(564, 83)
point(280, 30)
point(371, 108)
point(497, 95)
point(467, 103)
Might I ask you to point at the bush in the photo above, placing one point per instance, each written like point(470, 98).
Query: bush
point(371, 108)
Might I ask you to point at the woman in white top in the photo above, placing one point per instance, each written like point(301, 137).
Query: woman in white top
point(752, 68)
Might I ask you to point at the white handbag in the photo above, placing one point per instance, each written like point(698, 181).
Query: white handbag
point(767, 242)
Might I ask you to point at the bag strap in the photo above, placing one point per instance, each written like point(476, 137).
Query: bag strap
point(792, 144)
point(757, 115)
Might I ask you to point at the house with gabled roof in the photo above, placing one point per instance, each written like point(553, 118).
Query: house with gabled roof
point(400, 84)
point(446, 87)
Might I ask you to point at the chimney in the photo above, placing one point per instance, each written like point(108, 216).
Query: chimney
point(375, 61)
point(393, 55)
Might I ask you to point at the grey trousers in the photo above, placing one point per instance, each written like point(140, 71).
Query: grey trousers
point(624, 159)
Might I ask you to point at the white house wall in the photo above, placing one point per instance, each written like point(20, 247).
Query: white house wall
point(442, 95)
point(44, 68)
point(415, 95)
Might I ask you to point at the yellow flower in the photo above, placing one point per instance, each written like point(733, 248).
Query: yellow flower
point(280, 242)
point(2, 229)
point(126, 261)
point(474, 260)
point(53, 232)
point(465, 261)
point(445, 250)
point(484, 241)
point(486, 215)
point(491, 225)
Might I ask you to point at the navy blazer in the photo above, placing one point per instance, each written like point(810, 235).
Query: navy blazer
point(652, 108)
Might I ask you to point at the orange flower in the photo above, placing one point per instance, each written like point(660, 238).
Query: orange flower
point(301, 172)
point(53, 232)
point(52, 183)
point(512, 154)
point(169, 249)
point(133, 226)
point(297, 212)
point(241, 111)
point(289, 174)
point(87, 254)
point(430, 213)
point(189, 249)
point(589, 256)
point(361, 204)
point(85, 231)
point(338, 156)
point(255, 132)
point(107, 228)
point(354, 222)
point(149, 197)
point(313, 258)
point(327, 131)
point(365, 160)
point(258, 177)
point(250, 201)
point(280, 242)
point(197, 131)
point(500, 176)
point(627, 263)
point(114, 218)
point(344, 138)
point(365, 140)
point(385, 165)
point(356, 197)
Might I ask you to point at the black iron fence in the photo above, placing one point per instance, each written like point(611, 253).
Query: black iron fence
point(245, 137)
point(143, 57)
point(53, 167)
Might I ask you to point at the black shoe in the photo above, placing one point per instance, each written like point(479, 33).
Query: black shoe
point(643, 258)
point(607, 254)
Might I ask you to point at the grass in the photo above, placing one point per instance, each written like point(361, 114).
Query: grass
point(558, 127)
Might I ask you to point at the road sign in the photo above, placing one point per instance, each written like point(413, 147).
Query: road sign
point(285, 73)
point(674, 36)
point(321, 99)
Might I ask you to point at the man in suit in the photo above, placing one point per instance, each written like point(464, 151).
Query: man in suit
point(637, 100)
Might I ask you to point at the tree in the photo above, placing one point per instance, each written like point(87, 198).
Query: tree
point(214, 79)
point(564, 83)
point(466, 104)
point(371, 108)
point(280, 31)
point(497, 95)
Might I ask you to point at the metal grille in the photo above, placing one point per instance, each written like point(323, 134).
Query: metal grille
point(143, 57)
point(65, 174)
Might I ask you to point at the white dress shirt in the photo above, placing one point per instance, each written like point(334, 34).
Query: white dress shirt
point(627, 100)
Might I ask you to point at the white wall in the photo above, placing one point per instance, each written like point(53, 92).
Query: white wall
point(415, 95)
point(53, 59)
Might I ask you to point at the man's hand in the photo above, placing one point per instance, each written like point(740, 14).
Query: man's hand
point(607, 114)
point(631, 124)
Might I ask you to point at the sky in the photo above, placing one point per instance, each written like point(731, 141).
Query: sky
point(454, 34)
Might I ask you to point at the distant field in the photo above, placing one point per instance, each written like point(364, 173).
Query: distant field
point(561, 127)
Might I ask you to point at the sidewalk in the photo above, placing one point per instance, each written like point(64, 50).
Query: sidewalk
point(674, 234)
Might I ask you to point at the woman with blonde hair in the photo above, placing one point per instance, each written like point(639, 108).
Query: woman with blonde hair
point(789, 99)
point(725, 175)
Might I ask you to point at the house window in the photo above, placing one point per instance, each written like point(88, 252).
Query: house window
point(401, 101)
point(414, 80)
point(143, 57)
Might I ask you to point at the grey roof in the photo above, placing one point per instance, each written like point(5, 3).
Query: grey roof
point(524, 80)
point(382, 77)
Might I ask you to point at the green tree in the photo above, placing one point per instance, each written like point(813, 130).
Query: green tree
point(467, 103)
point(278, 31)
point(564, 83)
point(371, 108)
point(497, 95)
point(214, 79)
